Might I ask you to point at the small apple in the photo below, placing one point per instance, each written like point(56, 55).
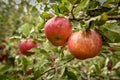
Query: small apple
point(2, 47)
point(109, 67)
point(26, 45)
point(111, 49)
point(4, 40)
point(3, 56)
point(85, 45)
point(57, 30)
point(29, 71)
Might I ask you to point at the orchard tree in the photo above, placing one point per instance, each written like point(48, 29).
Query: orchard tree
point(59, 40)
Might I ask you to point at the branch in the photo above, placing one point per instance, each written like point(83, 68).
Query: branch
point(56, 66)
point(87, 18)
point(72, 13)
point(113, 17)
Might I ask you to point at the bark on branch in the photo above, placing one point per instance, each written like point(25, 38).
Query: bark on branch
point(86, 18)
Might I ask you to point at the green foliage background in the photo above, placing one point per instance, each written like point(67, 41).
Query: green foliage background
point(21, 19)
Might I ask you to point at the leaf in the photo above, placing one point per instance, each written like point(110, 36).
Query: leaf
point(38, 50)
point(63, 9)
point(39, 0)
point(70, 74)
point(107, 3)
point(111, 31)
point(4, 68)
point(3, 77)
point(46, 15)
point(25, 29)
point(102, 1)
point(81, 5)
point(83, 75)
point(117, 65)
point(97, 11)
point(25, 61)
point(55, 8)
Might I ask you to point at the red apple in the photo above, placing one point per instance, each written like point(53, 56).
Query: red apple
point(26, 45)
point(58, 30)
point(3, 56)
point(109, 67)
point(85, 45)
point(111, 49)
point(2, 47)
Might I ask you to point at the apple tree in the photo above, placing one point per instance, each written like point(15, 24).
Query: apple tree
point(59, 40)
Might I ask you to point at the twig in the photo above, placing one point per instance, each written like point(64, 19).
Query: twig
point(56, 66)
point(87, 18)
point(113, 17)
point(72, 12)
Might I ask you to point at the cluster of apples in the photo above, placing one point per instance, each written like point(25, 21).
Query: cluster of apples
point(58, 31)
point(82, 45)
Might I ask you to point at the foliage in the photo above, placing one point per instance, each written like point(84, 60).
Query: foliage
point(21, 19)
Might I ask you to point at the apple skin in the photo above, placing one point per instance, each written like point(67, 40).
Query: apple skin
point(3, 56)
point(57, 30)
point(26, 45)
point(85, 45)
point(111, 49)
point(2, 47)
point(109, 67)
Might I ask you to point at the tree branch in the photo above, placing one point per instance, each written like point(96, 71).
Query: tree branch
point(87, 18)
point(72, 12)
point(56, 66)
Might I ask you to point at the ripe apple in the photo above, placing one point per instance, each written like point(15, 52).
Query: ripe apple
point(111, 49)
point(3, 56)
point(109, 67)
point(26, 45)
point(57, 30)
point(85, 45)
point(2, 47)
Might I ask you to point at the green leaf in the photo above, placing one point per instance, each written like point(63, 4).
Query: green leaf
point(70, 74)
point(25, 61)
point(46, 15)
point(81, 5)
point(111, 31)
point(55, 8)
point(38, 50)
point(63, 9)
point(4, 68)
point(117, 65)
point(25, 29)
point(3, 77)
point(39, 0)
point(83, 75)
point(107, 3)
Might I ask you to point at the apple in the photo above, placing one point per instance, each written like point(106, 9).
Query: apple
point(2, 47)
point(111, 49)
point(29, 71)
point(85, 45)
point(109, 67)
point(57, 30)
point(4, 40)
point(26, 45)
point(3, 56)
